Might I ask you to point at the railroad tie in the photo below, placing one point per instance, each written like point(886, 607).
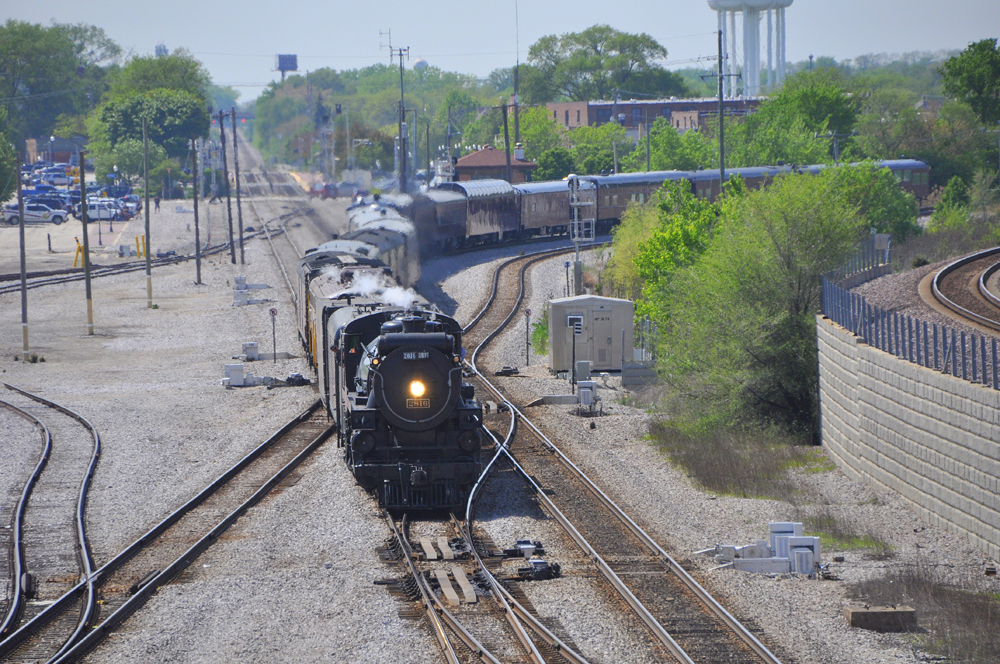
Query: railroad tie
point(429, 552)
point(463, 582)
point(446, 551)
point(446, 587)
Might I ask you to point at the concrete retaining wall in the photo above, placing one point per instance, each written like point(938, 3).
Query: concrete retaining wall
point(932, 438)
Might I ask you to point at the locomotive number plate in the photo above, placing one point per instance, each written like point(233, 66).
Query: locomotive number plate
point(418, 403)
point(416, 355)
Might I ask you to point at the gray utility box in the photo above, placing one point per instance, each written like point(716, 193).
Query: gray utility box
point(596, 323)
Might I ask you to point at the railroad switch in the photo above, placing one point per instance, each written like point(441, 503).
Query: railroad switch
point(507, 371)
point(539, 570)
point(524, 548)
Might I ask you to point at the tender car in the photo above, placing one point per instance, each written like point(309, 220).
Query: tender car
point(35, 212)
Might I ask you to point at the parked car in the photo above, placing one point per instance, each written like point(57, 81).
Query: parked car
point(52, 200)
point(35, 212)
point(101, 210)
point(57, 179)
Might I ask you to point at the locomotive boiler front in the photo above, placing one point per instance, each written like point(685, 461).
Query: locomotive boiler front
point(419, 381)
point(413, 428)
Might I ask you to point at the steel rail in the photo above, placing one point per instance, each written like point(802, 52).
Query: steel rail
point(86, 560)
point(498, 597)
point(53, 610)
point(533, 258)
point(654, 626)
point(435, 620)
point(16, 605)
point(704, 596)
point(986, 292)
point(81, 647)
point(954, 306)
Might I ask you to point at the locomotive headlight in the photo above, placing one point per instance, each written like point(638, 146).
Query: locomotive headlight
point(417, 389)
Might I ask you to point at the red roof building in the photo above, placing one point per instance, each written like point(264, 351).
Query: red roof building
point(491, 164)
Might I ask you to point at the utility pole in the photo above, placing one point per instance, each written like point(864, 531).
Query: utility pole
point(614, 120)
point(350, 145)
point(239, 206)
point(86, 254)
point(517, 66)
point(197, 234)
point(225, 178)
point(428, 143)
point(400, 52)
point(145, 185)
point(506, 141)
point(721, 76)
point(24, 273)
point(837, 136)
point(647, 140)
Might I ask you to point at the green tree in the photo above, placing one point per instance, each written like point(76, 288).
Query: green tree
point(974, 77)
point(554, 164)
point(773, 134)
point(880, 204)
point(178, 71)
point(737, 328)
point(128, 157)
point(10, 169)
point(539, 133)
point(669, 150)
point(594, 63)
point(173, 117)
point(952, 211)
point(820, 98)
point(592, 147)
point(38, 79)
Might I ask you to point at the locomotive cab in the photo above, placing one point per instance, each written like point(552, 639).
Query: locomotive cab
point(410, 427)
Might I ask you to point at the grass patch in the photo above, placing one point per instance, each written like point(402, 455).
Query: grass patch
point(839, 533)
point(812, 460)
point(738, 463)
point(540, 332)
point(962, 624)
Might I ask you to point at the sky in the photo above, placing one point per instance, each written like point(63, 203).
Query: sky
point(237, 41)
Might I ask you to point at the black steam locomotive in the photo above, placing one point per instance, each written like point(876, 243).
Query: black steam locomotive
point(389, 369)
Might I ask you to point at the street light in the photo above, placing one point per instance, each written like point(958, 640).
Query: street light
point(51, 141)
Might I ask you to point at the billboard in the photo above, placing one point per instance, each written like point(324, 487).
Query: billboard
point(285, 63)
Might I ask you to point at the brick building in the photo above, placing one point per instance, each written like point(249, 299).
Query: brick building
point(684, 114)
point(491, 164)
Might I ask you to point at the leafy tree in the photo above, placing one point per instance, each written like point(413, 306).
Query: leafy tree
point(952, 211)
point(177, 71)
point(776, 133)
point(173, 117)
point(669, 150)
point(880, 204)
point(128, 157)
point(539, 133)
point(38, 77)
point(594, 63)
point(737, 327)
point(821, 99)
point(974, 77)
point(554, 164)
point(223, 98)
point(593, 147)
point(10, 169)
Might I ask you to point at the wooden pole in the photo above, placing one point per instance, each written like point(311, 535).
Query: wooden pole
point(24, 273)
point(506, 141)
point(236, 165)
point(86, 250)
point(197, 234)
point(225, 178)
point(145, 176)
point(722, 123)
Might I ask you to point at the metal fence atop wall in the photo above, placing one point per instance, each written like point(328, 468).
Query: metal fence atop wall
point(941, 348)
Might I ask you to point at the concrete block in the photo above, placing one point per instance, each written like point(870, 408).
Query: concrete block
point(882, 618)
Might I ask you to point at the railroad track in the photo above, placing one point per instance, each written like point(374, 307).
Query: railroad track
point(49, 547)
point(682, 616)
point(962, 287)
point(124, 583)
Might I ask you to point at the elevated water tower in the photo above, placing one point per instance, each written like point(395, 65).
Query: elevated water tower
point(746, 58)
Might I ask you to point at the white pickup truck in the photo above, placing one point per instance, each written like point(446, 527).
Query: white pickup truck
point(35, 212)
